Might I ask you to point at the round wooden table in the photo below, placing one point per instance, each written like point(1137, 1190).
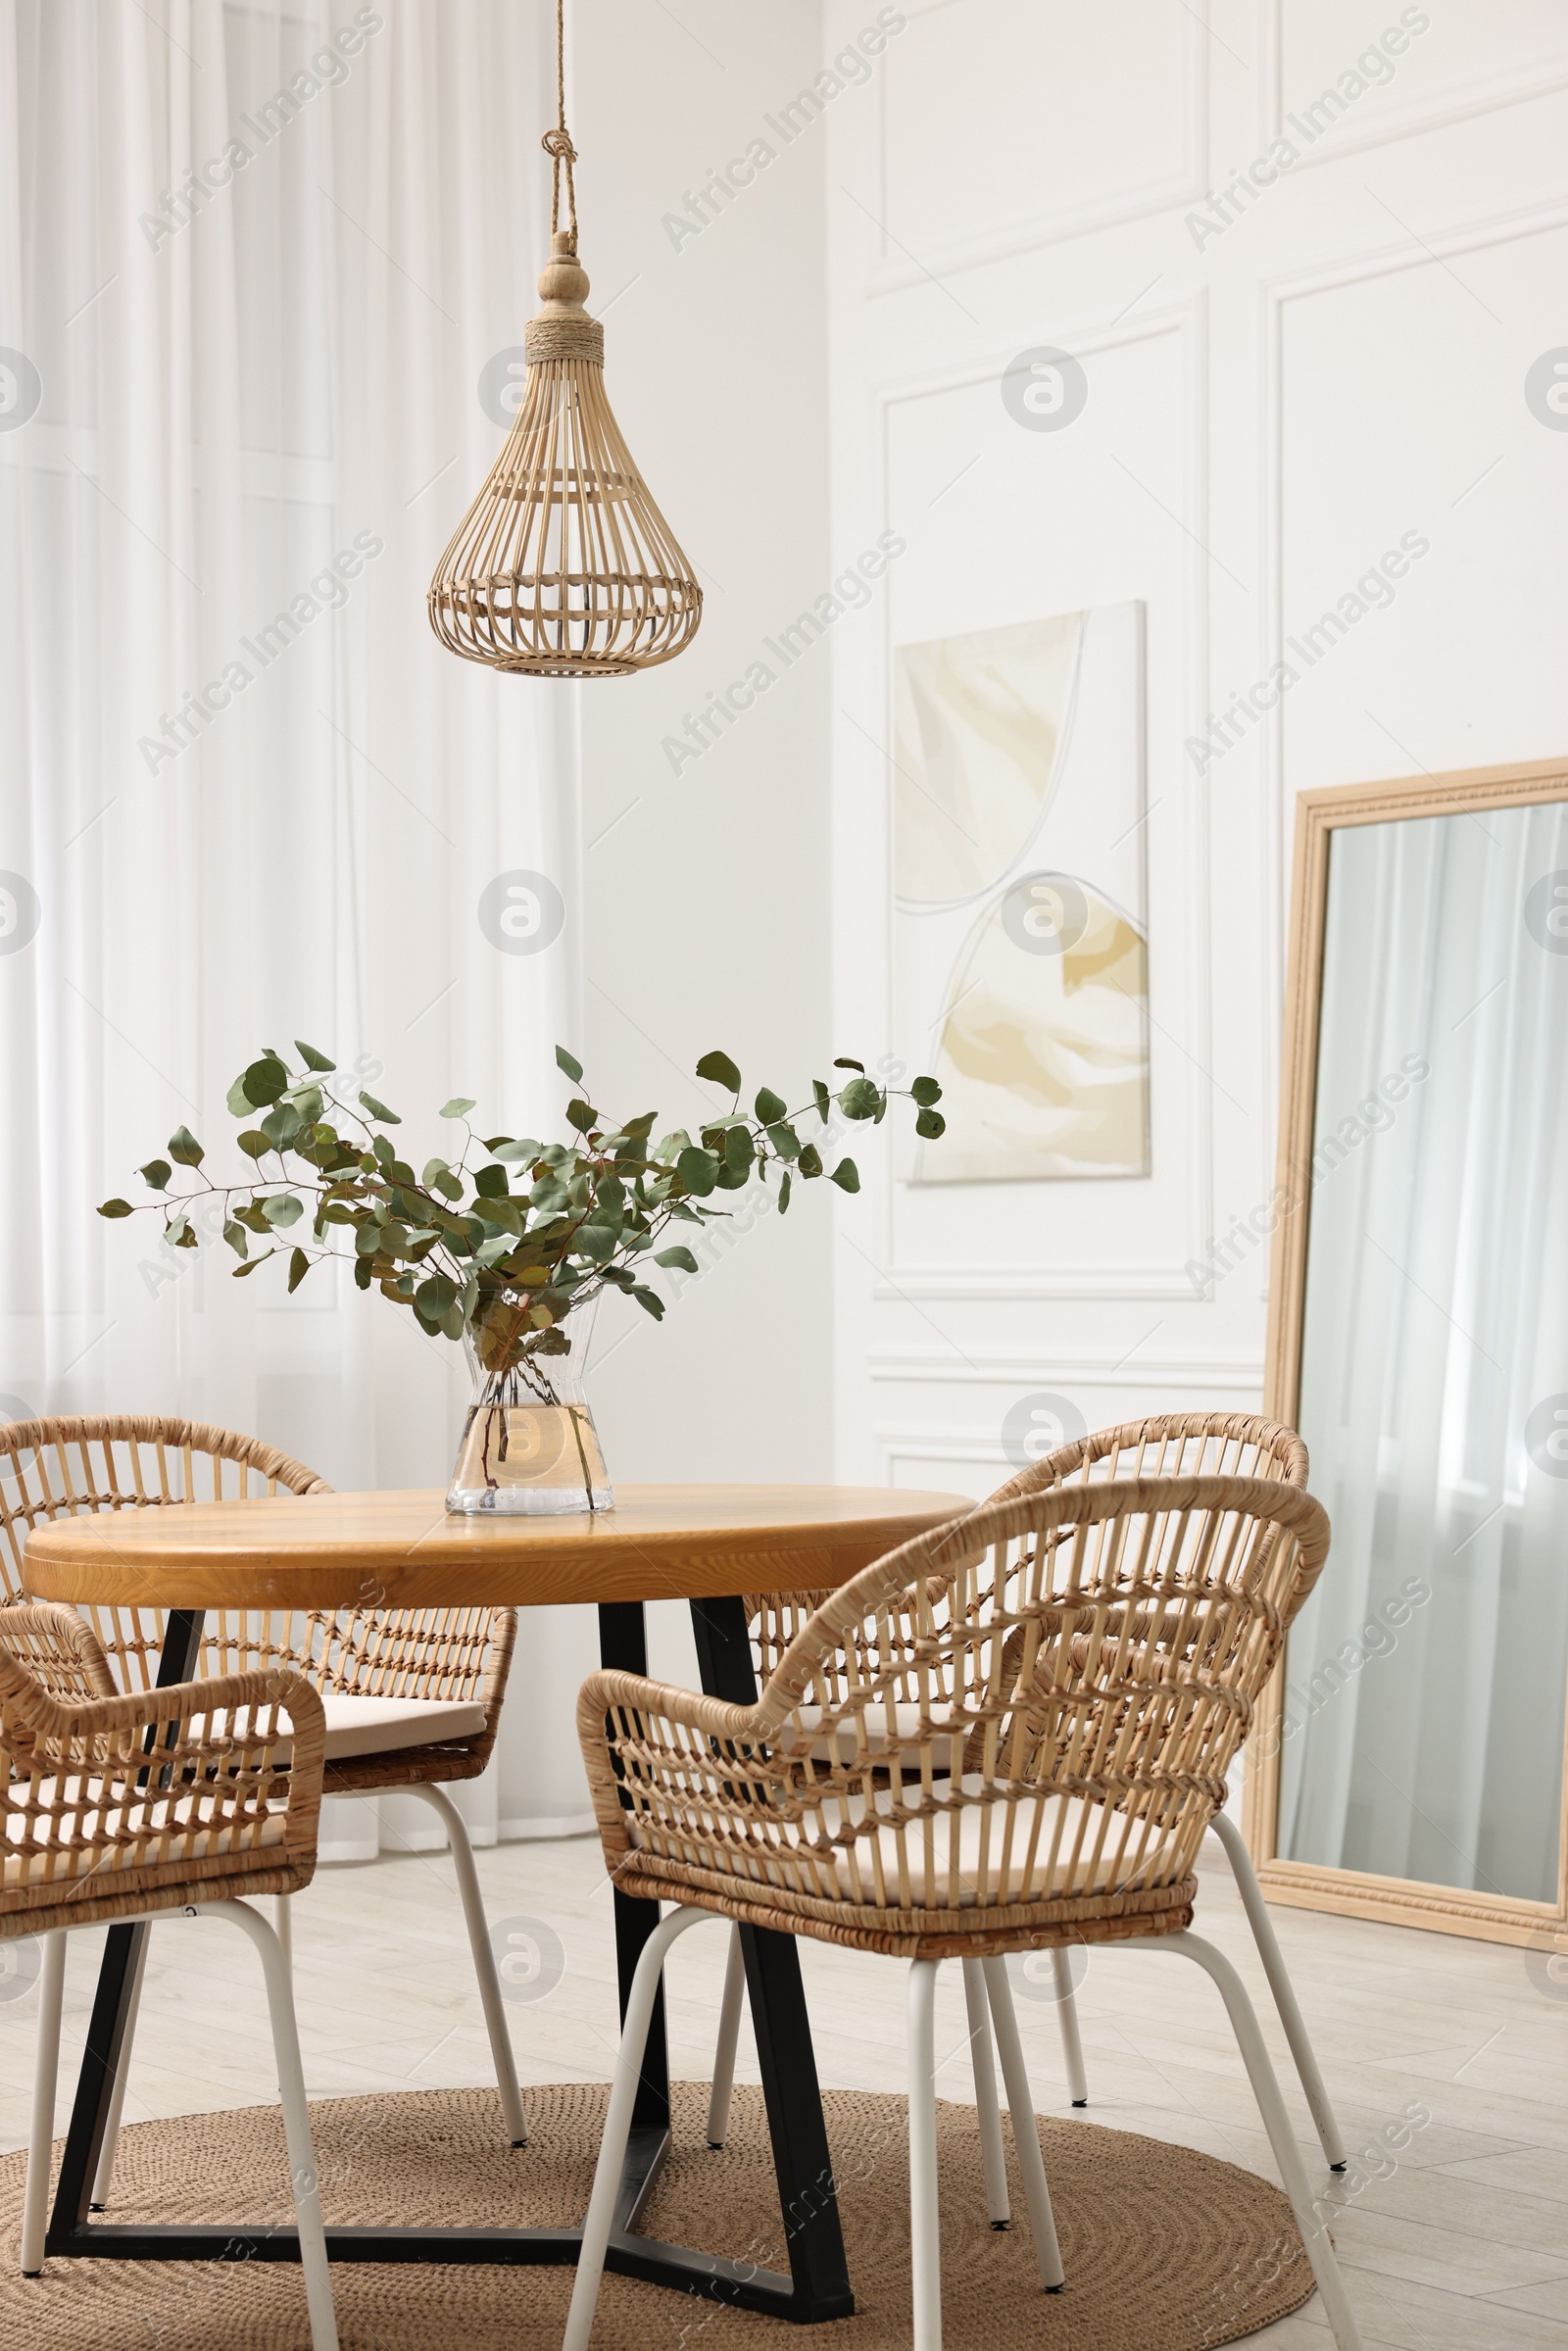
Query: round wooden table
point(708, 1544)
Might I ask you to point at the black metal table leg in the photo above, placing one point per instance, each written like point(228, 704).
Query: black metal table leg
point(808, 2198)
point(100, 2065)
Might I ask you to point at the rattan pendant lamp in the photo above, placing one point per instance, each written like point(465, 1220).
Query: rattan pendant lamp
point(563, 566)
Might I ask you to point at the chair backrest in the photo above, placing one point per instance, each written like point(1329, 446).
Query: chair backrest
point(54, 1468)
point(1169, 1445)
point(57, 1468)
point(1104, 1640)
point(1163, 1444)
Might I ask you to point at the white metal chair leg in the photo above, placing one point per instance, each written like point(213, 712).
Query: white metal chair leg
point(103, 2177)
point(729, 2027)
point(45, 2082)
point(1025, 2130)
point(601, 2212)
point(987, 2111)
point(283, 1925)
point(1280, 1985)
point(1310, 2219)
point(484, 1958)
point(1072, 2047)
point(925, 2249)
point(296, 2114)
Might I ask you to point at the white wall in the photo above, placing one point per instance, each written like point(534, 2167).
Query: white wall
point(704, 878)
point(1272, 405)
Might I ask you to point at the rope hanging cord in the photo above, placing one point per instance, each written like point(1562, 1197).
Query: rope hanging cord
point(557, 143)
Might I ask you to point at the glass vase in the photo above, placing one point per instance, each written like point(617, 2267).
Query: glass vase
point(529, 1446)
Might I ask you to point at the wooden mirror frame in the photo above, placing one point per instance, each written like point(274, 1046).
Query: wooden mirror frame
point(1359, 1894)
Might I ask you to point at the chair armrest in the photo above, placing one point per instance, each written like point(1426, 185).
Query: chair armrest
point(648, 1741)
point(58, 1648)
point(120, 1800)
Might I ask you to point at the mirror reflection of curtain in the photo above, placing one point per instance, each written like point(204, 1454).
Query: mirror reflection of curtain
point(1423, 1736)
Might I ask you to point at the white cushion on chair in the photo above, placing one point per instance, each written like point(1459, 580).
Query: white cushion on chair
point(380, 1726)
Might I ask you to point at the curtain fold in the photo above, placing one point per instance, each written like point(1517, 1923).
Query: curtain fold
point(258, 255)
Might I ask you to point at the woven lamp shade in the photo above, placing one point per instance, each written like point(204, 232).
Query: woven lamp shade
point(563, 566)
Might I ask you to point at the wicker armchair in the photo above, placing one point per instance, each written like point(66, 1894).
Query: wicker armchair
point(412, 1698)
point(1082, 1684)
point(182, 1799)
point(1164, 1444)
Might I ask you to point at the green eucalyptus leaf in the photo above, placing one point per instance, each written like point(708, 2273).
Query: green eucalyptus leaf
point(925, 1092)
point(721, 1069)
point(361, 1273)
point(860, 1098)
point(264, 1082)
point(568, 1064)
point(368, 1240)
point(299, 1266)
point(435, 1294)
point(184, 1146)
point(784, 1192)
point(809, 1162)
point(452, 1322)
point(491, 1183)
point(931, 1124)
point(250, 1265)
point(583, 1116)
point(698, 1171)
point(156, 1173)
point(840, 1062)
point(311, 1058)
point(379, 1110)
point(846, 1176)
point(680, 1256)
point(254, 1144)
point(650, 1300)
point(768, 1107)
point(521, 1154)
point(824, 1101)
point(283, 1208)
point(116, 1207)
point(458, 1107)
point(234, 1234)
point(282, 1126)
point(785, 1140)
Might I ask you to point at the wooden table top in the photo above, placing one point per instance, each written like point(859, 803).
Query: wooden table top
point(404, 1549)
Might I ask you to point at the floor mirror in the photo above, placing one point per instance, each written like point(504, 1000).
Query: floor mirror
point(1409, 1763)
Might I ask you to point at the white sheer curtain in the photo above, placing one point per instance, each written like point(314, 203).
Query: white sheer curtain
point(251, 261)
point(1424, 1732)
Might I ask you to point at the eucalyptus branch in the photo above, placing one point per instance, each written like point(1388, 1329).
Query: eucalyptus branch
point(509, 1265)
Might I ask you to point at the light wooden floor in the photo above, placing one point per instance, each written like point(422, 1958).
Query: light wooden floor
point(1464, 2244)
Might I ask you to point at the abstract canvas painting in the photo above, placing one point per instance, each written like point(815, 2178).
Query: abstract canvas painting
point(1020, 932)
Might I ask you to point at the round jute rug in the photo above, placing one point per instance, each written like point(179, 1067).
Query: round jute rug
point(1166, 2250)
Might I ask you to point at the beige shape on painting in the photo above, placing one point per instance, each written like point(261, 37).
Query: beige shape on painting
point(1042, 1059)
point(978, 723)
